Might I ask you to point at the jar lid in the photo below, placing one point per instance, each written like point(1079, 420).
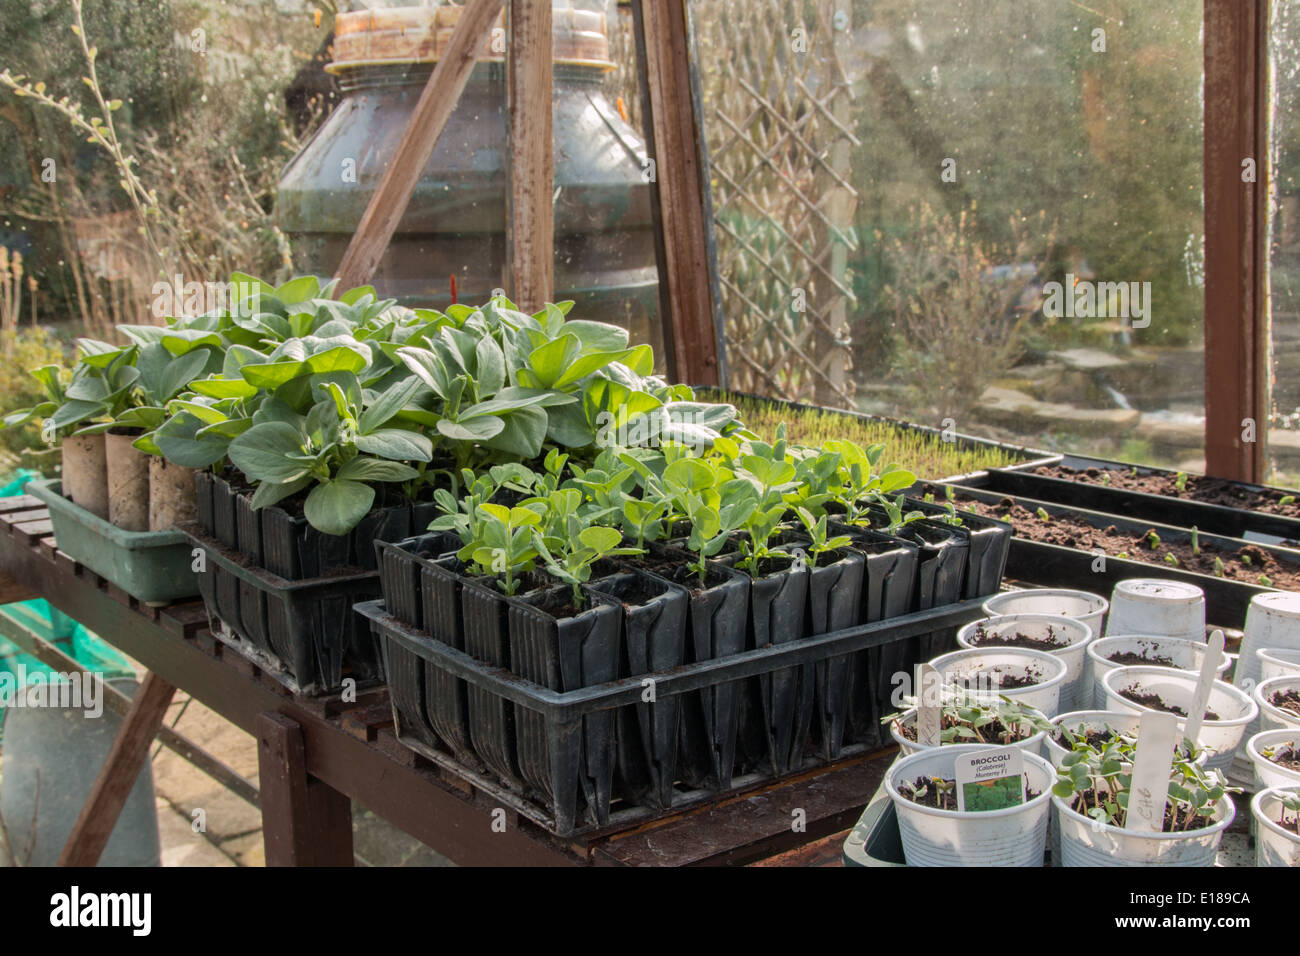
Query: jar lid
point(406, 35)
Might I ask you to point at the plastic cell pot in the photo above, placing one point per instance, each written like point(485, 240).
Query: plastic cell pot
point(834, 603)
point(987, 671)
point(446, 695)
point(491, 717)
point(1271, 716)
point(1031, 741)
point(1275, 845)
point(716, 627)
point(565, 646)
point(1272, 620)
point(225, 526)
point(391, 521)
point(1072, 635)
point(888, 590)
point(777, 704)
point(942, 555)
point(1086, 842)
point(989, 543)
point(1276, 662)
point(399, 565)
point(1015, 836)
point(204, 489)
point(1081, 605)
point(1267, 773)
point(654, 614)
point(1234, 708)
point(1157, 606)
point(1182, 654)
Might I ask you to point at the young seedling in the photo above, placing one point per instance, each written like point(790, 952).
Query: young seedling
point(1043, 515)
point(504, 544)
point(1196, 541)
point(1151, 539)
point(966, 718)
point(579, 553)
point(1171, 558)
point(1286, 500)
point(817, 533)
point(1180, 481)
point(1218, 566)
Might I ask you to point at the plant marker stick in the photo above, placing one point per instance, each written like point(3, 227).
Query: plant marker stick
point(1201, 697)
point(1152, 763)
point(929, 692)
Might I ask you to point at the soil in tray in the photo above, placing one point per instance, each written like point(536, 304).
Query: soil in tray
point(1248, 565)
point(982, 638)
point(1287, 758)
point(1288, 700)
point(1210, 491)
point(946, 799)
point(1134, 659)
point(1156, 702)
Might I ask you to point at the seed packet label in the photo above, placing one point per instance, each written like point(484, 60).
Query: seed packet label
point(1152, 762)
point(929, 705)
point(991, 779)
point(1201, 696)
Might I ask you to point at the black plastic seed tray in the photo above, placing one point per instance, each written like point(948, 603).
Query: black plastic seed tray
point(1052, 565)
point(565, 715)
point(1178, 512)
point(301, 632)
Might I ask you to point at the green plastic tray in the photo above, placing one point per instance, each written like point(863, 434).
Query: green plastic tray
point(153, 566)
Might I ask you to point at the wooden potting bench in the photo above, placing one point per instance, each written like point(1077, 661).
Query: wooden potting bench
point(315, 756)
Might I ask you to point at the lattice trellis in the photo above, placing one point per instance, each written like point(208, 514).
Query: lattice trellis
point(777, 120)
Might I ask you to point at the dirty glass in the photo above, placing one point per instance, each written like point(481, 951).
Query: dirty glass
point(979, 214)
point(1283, 435)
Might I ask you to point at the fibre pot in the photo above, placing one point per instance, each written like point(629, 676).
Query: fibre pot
point(1272, 620)
point(1271, 716)
point(172, 498)
point(1085, 842)
point(988, 670)
point(128, 482)
point(1015, 836)
point(1157, 606)
point(1080, 605)
point(85, 473)
point(1267, 773)
point(1072, 636)
point(1183, 654)
point(1222, 735)
point(1275, 845)
point(1277, 662)
point(1032, 744)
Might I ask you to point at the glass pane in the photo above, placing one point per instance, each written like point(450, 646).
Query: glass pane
point(1284, 247)
point(904, 189)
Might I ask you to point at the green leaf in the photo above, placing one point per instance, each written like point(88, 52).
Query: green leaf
point(476, 429)
point(271, 375)
point(217, 387)
point(397, 444)
point(375, 469)
point(491, 365)
point(353, 295)
point(271, 451)
point(179, 441)
point(335, 507)
point(338, 359)
point(268, 494)
point(549, 361)
point(522, 433)
point(600, 539)
point(388, 404)
point(298, 290)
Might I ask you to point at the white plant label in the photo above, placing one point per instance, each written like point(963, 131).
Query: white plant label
point(991, 779)
point(929, 699)
point(1157, 735)
point(1204, 684)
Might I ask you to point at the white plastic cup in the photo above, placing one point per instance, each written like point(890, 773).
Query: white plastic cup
point(1276, 662)
point(958, 666)
point(1156, 606)
point(1080, 605)
point(1033, 743)
point(1267, 773)
point(1223, 736)
point(1086, 842)
point(1272, 620)
point(1274, 844)
point(1073, 634)
point(1015, 836)
point(1121, 721)
point(1270, 716)
point(1186, 655)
